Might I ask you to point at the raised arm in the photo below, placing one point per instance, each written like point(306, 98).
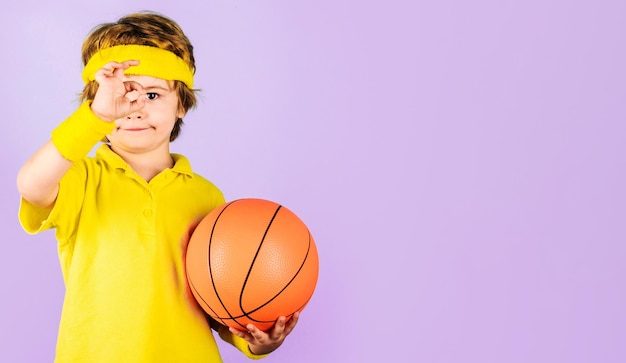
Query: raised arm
point(38, 179)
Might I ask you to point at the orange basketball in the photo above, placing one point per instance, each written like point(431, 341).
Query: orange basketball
point(251, 261)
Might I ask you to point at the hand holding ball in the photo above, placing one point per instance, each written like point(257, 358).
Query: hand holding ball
point(251, 261)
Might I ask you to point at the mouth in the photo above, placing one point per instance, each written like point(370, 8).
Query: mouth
point(134, 129)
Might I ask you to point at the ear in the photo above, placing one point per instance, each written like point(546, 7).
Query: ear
point(180, 113)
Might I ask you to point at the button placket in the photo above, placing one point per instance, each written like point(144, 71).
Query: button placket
point(148, 223)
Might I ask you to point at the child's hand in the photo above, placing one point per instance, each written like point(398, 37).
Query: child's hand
point(116, 96)
point(261, 342)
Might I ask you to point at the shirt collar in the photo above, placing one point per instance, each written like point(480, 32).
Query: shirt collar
point(104, 152)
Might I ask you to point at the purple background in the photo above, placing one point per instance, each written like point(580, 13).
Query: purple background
point(460, 164)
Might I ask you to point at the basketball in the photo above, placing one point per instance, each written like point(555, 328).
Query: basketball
point(251, 261)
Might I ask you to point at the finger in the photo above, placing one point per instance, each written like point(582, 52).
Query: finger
point(123, 65)
point(241, 334)
point(136, 106)
point(135, 102)
point(141, 101)
point(130, 63)
point(135, 94)
point(132, 96)
point(291, 323)
point(120, 67)
point(279, 327)
point(108, 70)
point(104, 72)
point(256, 333)
point(134, 86)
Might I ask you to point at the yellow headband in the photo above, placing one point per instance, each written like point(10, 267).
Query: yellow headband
point(155, 62)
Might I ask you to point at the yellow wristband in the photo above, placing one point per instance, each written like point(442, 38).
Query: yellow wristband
point(75, 136)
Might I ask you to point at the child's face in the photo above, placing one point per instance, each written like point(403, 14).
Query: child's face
point(148, 129)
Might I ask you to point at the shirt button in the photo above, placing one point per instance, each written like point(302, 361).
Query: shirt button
point(147, 212)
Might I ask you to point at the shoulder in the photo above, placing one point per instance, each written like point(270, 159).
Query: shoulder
point(182, 165)
point(194, 182)
point(202, 180)
point(207, 187)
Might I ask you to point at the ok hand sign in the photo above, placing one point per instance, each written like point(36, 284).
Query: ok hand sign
point(116, 96)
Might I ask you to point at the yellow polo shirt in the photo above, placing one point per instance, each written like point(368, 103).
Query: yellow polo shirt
point(121, 244)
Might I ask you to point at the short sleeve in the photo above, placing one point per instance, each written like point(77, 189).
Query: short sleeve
point(62, 215)
point(34, 219)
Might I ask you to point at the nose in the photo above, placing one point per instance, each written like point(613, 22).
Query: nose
point(134, 115)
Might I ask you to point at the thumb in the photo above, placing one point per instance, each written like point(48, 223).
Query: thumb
point(137, 104)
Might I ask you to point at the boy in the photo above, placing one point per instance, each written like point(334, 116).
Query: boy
point(123, 217)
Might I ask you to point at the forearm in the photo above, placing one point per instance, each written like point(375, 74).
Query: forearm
point(38, 179)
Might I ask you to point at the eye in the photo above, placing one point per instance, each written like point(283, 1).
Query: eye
point(152, 95)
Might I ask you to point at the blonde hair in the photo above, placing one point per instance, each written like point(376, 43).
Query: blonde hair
point(150, 29)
